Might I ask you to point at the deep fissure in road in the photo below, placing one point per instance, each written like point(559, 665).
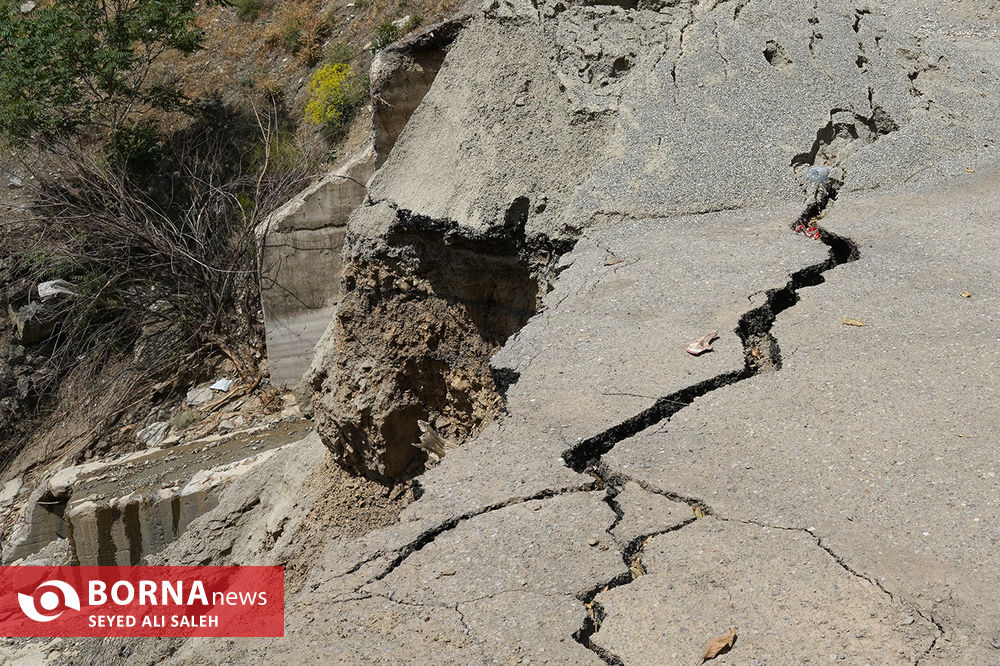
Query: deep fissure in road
point(762, 353)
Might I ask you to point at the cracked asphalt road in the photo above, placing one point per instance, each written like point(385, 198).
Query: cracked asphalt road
point(635, 501)
point(817, 482)
point(879, 438)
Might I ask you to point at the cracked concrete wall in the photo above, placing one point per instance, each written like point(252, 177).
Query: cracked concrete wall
point(121, 511)
point(303, 241)
point(300, 265)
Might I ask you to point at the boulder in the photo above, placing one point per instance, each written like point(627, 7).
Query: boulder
point(33, 323)
point(154, 433)
point(199, 395)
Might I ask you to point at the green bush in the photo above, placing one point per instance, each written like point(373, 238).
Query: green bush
point(413, 23)
point(340, 53)
point(86, 62)
point(137, 148)
point(300, 29)
point(386, 33)
point(249, 10)
point(290, 33)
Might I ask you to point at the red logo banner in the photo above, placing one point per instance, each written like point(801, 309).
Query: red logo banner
point(142, 601)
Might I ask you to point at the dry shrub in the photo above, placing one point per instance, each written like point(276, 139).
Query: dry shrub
point(300, 28)
point(161, 246)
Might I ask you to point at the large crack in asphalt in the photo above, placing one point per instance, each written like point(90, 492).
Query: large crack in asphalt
point(762, 353)
point(429, 535)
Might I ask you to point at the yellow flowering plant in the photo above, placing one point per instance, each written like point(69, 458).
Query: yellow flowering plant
point(334, 93)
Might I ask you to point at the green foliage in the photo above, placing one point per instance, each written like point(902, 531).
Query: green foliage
point(386, 33)
point(300, 29)
point(81, 62)
point(413, 23)
point(246, 204)
point(290, 33)
point(335, 93)
point(249, 10)
point(340, 53)
point(137, 147)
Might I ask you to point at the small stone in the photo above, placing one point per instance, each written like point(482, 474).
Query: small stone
point(32, 323)
point(55, 288)
point(908, 620)
point(10, 491)
point(24, 386)
point(594, 541)
point(447, 572)
point(15, 182)
point(28, 6)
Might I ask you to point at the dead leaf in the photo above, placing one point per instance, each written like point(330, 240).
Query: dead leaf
point(612, 262)
point(852, 322)
point(699, 512)
point(719, 645)
point(702, 344)
point(970, 170)
point(966, 294)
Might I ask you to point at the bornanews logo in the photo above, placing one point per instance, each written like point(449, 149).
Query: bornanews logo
point(142, 601)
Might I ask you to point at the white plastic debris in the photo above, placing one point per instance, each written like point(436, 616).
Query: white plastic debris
point(53, 288)
point(222, 385)
point(820, 174)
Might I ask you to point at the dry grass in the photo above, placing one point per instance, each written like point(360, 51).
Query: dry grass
point(244, 61)
point(300, 29)
point(276, 52)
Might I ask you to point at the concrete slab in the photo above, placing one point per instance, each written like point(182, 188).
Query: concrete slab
point(301, 264)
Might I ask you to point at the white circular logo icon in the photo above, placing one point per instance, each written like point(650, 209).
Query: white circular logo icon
point(49, 600)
